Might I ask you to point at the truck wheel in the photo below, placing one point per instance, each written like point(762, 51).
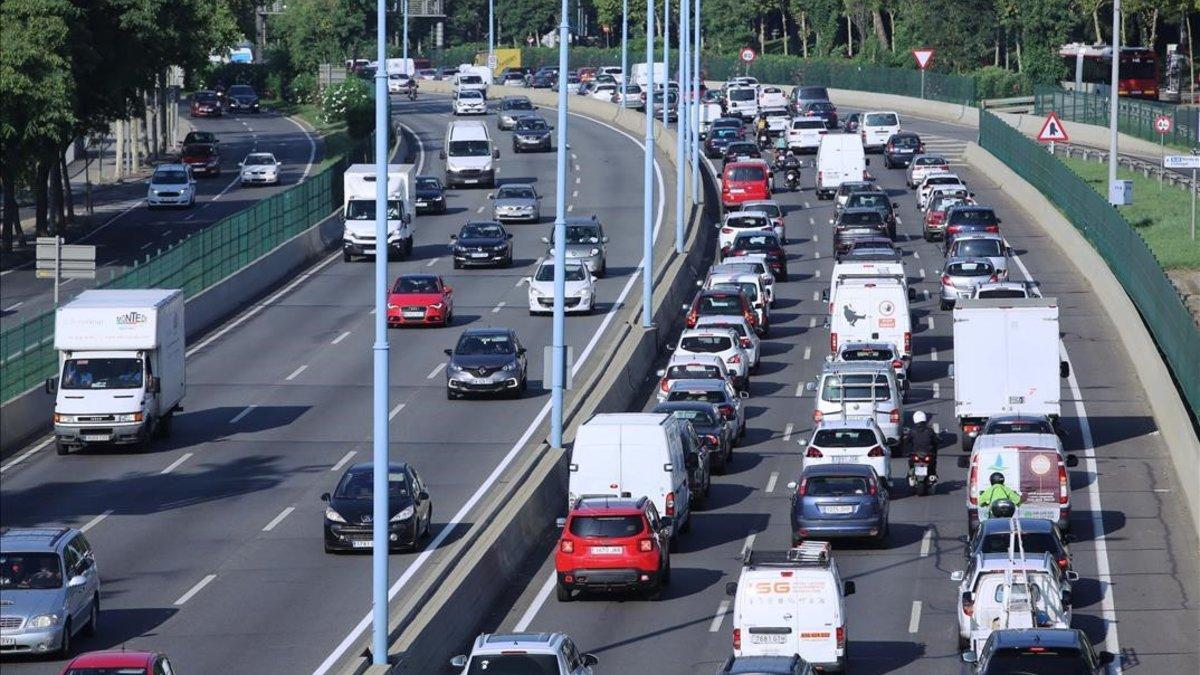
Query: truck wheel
point(61, 448)
point(346, 256)
point(164, 425)
point(408, 246)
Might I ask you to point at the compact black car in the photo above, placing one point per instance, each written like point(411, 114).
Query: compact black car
point(482, 243)
point(431, 196)
point(349, 521)
point(901, 148)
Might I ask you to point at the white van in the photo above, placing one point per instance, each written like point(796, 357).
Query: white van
point(473, 77)
point(791, 602)
point(840, 159)
point(870, 309)
point(634, 455)
point(866, 268)
point(742, 102)
point(877, 126)
point(470, 154)
point(1032, 464)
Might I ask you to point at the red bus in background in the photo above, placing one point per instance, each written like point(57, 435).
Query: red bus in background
point(1138, 74)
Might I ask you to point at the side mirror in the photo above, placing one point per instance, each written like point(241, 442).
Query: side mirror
point(825, 294)
point(453, 237)
point(810, 386)
point(521, 351)
point(744, 394)
point(423, 495)
point(964, 462)
point(829, 358)
point(731, 588)
point(848, 588)
point(1069, 538)
point(668, 467)
point(508, 236)
point(1066, 598)
point(241, 165)
point(545, 240)
point(496, 153)
point(442, 155)
point(685, 306)
point(912, 294)
point(792, 485)
point(802, 442)
point(560, 523)
point(1072, 461)
point(526, 280)
point(604, 239)
point(491, 196)
point(895, 205)
point(970, 657)
point(459, 661)
point(77, 581)
point(539, 198)
point(956, 575)
point(51, 385)
point(1064, 369)
point(660, 373)
point(867, 162)
point(154, 385)
point(448, 352)
point(1072, 575)
point(325, 497)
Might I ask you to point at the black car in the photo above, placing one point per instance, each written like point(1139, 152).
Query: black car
point(1038, 536)
point(877, 199)
point(544, 78)
point(348, 516)
point(901, 148)
point(242, 97)
point(739, 150)
point(850, 124)
point(719, 139)
point(482, 242)
point(764, 243)
point(1038, 650)
point(716, 433)
point(486, 361)
point(431, 196)
point(532, 133)
point(969, 219)
point(853, 223)
point(823, 109)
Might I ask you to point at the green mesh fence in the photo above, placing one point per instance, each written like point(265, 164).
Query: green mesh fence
point(1134, 117)
point(1127, 255)
point(194, 264)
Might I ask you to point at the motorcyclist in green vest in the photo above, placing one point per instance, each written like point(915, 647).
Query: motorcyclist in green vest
point(996, 491)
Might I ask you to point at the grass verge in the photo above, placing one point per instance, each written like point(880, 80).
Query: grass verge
point(1163, 219)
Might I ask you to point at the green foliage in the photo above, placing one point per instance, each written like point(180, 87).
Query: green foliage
point(35, 109)
point(326, 31)
point(953, 28)
point(349, 101)
point(993, 82)
point(304, 88)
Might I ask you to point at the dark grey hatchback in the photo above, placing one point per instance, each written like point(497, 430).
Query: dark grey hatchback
point(349, 521)
point(486, 361)
point(839, 501)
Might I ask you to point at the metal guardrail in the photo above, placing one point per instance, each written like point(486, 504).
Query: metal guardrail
point(1016, 104)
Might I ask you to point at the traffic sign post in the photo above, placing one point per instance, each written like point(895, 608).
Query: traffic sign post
point(56, 261)
point(1186, 162)
point(1162, 124)
point(1053, 130)
point(923, 57)
point(747, 56)
point(492, 62)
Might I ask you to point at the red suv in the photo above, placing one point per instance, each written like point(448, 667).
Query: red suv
point(131, 663)
point(206, 104)
point(611, 544)
point(745, 182)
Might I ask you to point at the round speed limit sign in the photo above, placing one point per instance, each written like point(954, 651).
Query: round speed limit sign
point(1163, 124)
point(747, 54)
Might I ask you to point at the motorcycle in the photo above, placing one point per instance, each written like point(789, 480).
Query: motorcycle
point(920, 474)
point(764, 140)
point(793, 179)
point(412, 93)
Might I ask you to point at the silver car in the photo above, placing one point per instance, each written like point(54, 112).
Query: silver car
point(511, 109)
point(516, 202)
point(50, 588)
point(586, 241)
point(960, 276)
point(982, 245)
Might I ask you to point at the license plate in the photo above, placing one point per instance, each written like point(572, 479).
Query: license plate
point(422, 203)
point(414, 315)
point(362, 544)
point(838, 509)
point(767, 639)
point(7, 642)
point(471, 180)
point(479, 255)
point(95, 437)
point(848, 459)
point(607, 550)
point(921, 470)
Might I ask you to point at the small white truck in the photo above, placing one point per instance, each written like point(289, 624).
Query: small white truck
point(358, 211)
point(121, 370)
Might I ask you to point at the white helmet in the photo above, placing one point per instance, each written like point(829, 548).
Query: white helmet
point(919, 417)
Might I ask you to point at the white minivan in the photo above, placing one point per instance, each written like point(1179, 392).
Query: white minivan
point(470, 154)
point(791, 602)
point(840, 159)
point(877, 127)
point(870, 309)
point(634, 455)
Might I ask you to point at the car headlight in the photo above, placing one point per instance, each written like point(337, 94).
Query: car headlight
point(455, 368)
point(63, 419)
point(500, 247)
point(536, 293)
point(130, 417)
point(437, 305)
point(595, 251)
point(331, 514)
point(43, 621)
point(510, 366)
point(406, 513)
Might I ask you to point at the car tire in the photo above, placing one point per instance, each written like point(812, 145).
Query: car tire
point(346, 257)
point(450, 395)
point(562, 593)
point(93, 617)
point(64, 646)
point(329, 550)
point(164, 425)
point(457, 265)
point(61, 448)
point(928, 237)
point(673, 545)
point(945, 306)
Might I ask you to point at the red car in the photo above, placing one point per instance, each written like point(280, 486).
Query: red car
point(204, 158)
point(745, 182)
point(125, 663)
point(721, 303)
point(206, 104)
point(420, 299)
point(612, 544)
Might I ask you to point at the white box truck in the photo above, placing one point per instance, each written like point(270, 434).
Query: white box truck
point(358, 211)
point(639, 71)
point(120, 367)
point(1006, 361)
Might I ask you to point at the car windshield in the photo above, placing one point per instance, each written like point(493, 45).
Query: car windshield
point(169, 177)
point(978, 248)
point(746, 222)
point(746, 174)
point(738, 328)
point(866, 354)
point(835, 486)
point(861, 218)
point(755, 242)
point(241, 90)
point(1018, 427)
point(881, 120)
point(855, 387)
point(973, 216)
point(416, 285)
point(745, 94)
point(133, 670)
point(743, 148)
point(572, 272)
point(771, 210)
point(969, 269)
point(808, 124)
point(809, 93)
point(364, 209)
point(1001, 294)
point(1035, 543)
point(469, 149)
point(199, 137)
point(360, 485)
point(583, 234)
point(693, 371)
point(515, 193)
point(605, 527)
point(725, 303)
point(867, 200)
point(205, 97)
point(943, 180)
point(478, 345)
point(706, 344)
point(929, 160)
point(259, 160)
point(109, 373)
point(518, 104)
point(514, 664)
point(201, 150)
point(844, 438)
point(470, 94)
point(708, 396)
point(821, 106)
point(481, 230)
point(748, 288)
point(725, 132)
point(24, 571)
point(1038, 659)
point(532, 124)
point(470, 79)
point(428, 184)
point(697, 417)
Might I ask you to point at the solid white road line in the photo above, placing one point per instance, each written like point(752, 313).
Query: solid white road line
point(396, 411)
point(195, 589)
point(787, 432)
point(926, 542)
point(543, 594)
point(146, 245)
point(339, 338)
point(312, 148)
point(26, 455)
point(342, 462)
point(771, 481)
point(175, 465)
point(12, 307)
point(245, 411)
point(279, 518)
point(436, 369)
point(722, 610)
point(95, 521)
point(748, 545)
point(296, 372)
point(914, 621)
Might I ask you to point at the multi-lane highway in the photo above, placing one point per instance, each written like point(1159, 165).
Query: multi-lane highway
point(210, 546)
point(130, 232)
point(1139, 581)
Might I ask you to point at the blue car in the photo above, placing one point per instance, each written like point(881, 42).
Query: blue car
point(839, 501)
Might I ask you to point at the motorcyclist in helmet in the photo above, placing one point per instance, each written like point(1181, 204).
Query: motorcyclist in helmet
point(996, 491)
point(922, 440)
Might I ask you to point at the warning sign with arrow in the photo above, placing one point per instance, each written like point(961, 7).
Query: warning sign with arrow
point(1053, 130)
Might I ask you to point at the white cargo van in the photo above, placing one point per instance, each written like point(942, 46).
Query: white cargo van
point(120, 367)
point(470, 154)
point(1033, 465)
point(477, 78)
point(634, 455)
point(866, 268)
point(840, 159)
point(877, 126)
point(358, 210)
point(870, 309)
point(791, 602)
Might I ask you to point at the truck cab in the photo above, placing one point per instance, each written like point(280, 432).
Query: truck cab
point(358, 211)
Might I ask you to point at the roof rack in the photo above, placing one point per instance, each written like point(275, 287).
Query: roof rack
point(807, 554)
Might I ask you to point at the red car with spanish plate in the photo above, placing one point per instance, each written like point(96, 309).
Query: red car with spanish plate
point(747, 181)
point(420, 300)
point(611, 544)
point(124, 663)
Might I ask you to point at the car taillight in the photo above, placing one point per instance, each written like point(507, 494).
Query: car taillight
point(814, 452)
point(1064, 487)
point(745, 342)
point(726, 230)
point(897, 363)
point(946, 280)
point(645, 545)
point(726, 410)
point(566, 546)
point(833, 342)
point(818, 415)
point(841, 637)
point(969, 608)
point(993, 228)
point(802, 488)
point(664, 385)
point(894, 416)
point(819, 175)
point(736, 358)
point(751, 318)
point(971, 428)
point(1063, 562)
point(971, 495)
point(711, 440)
point(994, 278)
point(691, 319)
point(866, 175)
point(871, 489)
point(876, 451)
point(670, 510)
point(737, 638)
point(907, 341)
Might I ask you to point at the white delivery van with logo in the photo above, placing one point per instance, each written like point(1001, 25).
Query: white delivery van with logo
point(791, 602)
point(1032, 464)
point(870, 309)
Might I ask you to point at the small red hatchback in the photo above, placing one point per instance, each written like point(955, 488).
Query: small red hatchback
point(611, 544)
point(420, 299)
point(747, 181)
point(119, 663)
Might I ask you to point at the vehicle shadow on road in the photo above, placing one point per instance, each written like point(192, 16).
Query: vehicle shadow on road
point(1083, 530)
point(880, 656)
